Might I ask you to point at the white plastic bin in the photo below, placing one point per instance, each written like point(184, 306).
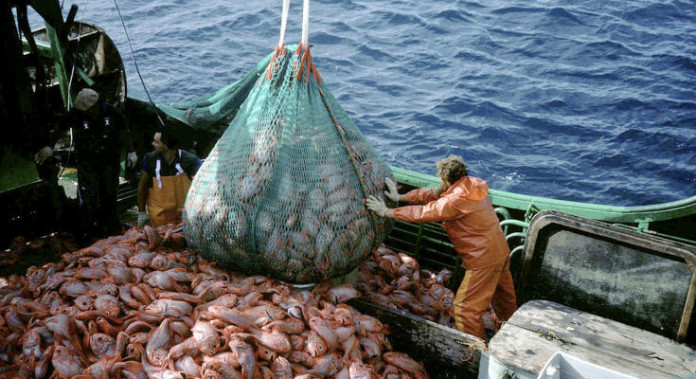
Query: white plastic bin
point(565, 366)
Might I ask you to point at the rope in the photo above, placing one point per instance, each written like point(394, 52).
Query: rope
point(469, 353)
point(284, 21)
point(280, 48)
point(137, 69)
point(305, 24)
point(549, 335)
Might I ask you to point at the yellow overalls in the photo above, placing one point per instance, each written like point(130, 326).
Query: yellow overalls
point(166, 197)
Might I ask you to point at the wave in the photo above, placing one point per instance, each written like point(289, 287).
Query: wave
point(561, 15)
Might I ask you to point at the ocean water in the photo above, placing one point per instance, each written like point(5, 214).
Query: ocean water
point(589, 101)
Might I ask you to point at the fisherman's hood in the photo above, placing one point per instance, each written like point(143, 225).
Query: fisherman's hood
point(469, 187)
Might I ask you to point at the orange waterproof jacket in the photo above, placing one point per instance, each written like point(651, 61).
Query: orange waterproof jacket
point(468, 217)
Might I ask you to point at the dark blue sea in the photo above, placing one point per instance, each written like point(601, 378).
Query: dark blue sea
point(591, 101)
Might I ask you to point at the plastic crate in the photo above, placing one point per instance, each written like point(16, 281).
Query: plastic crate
point(565, 366)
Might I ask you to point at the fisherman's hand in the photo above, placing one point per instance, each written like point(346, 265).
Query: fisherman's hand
point(45, 153)
point(132, 159)
point(376, 205)
point(143, 218)
point(391, 193)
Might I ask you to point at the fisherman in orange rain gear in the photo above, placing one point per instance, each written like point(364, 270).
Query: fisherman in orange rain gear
point(166, 177)
point(462, 205)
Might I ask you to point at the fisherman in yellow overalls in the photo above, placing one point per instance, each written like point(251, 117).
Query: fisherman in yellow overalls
point(166, 177)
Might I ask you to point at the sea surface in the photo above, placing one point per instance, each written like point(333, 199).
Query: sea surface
point(591, 101)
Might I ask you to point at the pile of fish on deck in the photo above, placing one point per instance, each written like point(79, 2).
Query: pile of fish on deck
point(396, 280)
point(141, 305)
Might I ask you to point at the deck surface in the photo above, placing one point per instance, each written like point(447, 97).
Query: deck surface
point(540, 328)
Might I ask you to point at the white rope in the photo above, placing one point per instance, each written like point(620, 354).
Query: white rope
point(284, 21)
point(305, 24)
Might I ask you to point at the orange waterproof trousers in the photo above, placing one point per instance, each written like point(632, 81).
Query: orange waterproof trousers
point(481, 287)
point(166, 203)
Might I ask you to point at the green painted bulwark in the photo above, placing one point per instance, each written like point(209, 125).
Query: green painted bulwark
point(16, 170)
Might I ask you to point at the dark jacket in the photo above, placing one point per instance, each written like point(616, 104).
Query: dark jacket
point(97, 139)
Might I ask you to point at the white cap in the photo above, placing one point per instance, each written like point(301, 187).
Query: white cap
point(85, 99)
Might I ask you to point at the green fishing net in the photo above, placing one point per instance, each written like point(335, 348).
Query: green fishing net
point(282, 192)
point(214, 113)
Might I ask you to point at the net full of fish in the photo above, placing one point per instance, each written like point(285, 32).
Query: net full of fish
point(282, 192)
point(142, 305)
